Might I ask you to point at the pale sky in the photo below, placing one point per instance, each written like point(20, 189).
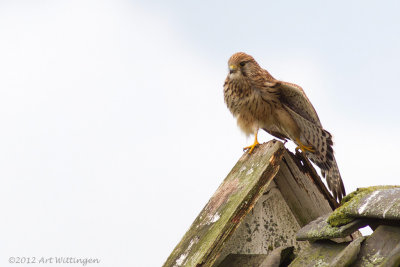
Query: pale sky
point(114, 129)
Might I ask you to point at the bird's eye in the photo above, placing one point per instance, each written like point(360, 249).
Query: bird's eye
point(242, 63)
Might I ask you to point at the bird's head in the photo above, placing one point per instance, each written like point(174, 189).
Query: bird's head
point(242, 65)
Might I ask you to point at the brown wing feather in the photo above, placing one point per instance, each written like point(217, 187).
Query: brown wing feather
point(293, 96)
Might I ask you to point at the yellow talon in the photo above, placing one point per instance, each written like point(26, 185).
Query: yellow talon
point(303, 147)
point(251, 148)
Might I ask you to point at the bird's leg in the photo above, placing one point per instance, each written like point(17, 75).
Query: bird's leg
point(251, 148)
point(303, 147)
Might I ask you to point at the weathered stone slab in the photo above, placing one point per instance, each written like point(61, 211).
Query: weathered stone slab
point(377, 202)
point(348, 255)
point(282, 255)
point(393, 259)
point(379, 247)
point(320, 229)
point(328, 253)
point(234, 198)
point(319, 253)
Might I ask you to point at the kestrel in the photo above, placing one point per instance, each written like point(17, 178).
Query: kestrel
point(259, 101)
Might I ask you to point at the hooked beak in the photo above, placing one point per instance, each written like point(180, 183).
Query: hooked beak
point(232, 68)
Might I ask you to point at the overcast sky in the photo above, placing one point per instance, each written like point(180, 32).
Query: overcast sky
point(114, 133)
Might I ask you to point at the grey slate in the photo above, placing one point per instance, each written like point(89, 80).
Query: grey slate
point(276, 258)
point(393, 259)
point(319, 253)
point(379, 247)
point(379, 204)
point(348, 255)
point(320, 229)
point(376, 202)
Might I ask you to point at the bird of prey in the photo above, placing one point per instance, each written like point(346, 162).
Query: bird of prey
point(259, 101)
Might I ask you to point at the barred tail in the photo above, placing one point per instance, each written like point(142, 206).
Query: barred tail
point(334, 180)
point(321, 142)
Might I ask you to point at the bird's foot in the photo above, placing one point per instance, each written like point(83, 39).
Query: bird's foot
point(303, 147)
point(251, 148)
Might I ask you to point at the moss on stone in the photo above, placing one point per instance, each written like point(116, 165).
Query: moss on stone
point(340, 216)
point(325, 231)
point(372, 260)
point(318, 254)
